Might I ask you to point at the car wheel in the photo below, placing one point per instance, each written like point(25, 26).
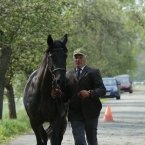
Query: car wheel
point(118, 98)
point(130, 91)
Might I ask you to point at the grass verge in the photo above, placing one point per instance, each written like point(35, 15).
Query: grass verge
point(10, 129)
point(103, 100)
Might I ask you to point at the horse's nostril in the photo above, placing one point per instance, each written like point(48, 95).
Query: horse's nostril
point(58, 82)
point(61, 84)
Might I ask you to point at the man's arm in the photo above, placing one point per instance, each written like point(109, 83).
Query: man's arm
point(99, 88)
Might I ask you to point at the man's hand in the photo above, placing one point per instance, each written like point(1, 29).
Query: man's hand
point(84, 94)
point(56, 92)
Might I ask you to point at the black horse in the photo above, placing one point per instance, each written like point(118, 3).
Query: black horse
point(39, 104)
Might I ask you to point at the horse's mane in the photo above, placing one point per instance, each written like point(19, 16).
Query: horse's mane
point(41, 72)
point(42, 66)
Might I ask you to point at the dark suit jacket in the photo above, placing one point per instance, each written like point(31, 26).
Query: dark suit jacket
point(90, 107)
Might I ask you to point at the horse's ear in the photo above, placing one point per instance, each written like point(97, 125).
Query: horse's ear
point(64, 40)
point(49, 40)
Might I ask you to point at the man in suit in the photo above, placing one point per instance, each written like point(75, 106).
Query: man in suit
point(84, 87)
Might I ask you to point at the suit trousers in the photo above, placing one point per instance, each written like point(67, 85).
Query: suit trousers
point(82, 128)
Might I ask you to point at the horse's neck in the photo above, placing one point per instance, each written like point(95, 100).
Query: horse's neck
point(44, 77)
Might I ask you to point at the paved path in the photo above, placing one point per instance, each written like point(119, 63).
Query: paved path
point(129, 125)
point(128, 128)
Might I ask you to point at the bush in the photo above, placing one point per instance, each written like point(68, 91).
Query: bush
point(12, 128)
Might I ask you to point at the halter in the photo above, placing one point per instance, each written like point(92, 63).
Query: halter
point(56, 69)
point(54, 85)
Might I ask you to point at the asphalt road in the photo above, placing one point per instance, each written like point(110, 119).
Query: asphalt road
point(128, 127)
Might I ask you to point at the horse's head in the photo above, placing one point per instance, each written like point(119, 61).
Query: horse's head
point(57, 54)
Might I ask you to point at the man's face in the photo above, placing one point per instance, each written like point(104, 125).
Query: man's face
point(79, 60)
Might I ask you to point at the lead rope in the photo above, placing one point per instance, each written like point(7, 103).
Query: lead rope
point(54, 86)
point(64, 108)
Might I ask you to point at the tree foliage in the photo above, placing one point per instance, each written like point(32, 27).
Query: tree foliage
point(99, 27)
point(111, 31)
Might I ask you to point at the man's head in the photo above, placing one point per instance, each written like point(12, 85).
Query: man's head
point(79, 57)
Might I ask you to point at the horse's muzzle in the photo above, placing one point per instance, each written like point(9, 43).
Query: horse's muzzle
point(61, 83)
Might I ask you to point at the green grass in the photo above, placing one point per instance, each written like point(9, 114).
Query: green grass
point(103, 100)
point(9, 129)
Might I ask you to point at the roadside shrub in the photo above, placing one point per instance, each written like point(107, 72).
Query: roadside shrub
point(12, 128)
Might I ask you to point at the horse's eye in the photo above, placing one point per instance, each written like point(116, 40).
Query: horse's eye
point(50, 55)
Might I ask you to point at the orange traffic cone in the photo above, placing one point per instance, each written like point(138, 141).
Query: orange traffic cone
point(108, 115)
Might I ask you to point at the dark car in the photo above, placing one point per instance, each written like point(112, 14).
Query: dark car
point(125, 83)
point(112, 88)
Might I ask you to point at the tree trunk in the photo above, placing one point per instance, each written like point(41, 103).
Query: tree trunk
point(2, 86)
point(5, 54)
point(11, 101)
point(4, 59)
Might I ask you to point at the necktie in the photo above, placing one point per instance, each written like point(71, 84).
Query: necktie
point(78, 73)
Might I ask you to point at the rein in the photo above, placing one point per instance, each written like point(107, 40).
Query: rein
point(65, 107)
point(56, 69)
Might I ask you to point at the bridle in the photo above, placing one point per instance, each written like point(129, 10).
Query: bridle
point(56, 69)
point(54, 84)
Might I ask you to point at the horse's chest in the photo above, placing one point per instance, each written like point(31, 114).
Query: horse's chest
point(48, 108)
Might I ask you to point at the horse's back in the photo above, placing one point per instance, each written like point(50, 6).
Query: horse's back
point(26, 92)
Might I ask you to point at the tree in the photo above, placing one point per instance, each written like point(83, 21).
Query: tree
point(5, 54)
point(26, 26)
point(98, 26)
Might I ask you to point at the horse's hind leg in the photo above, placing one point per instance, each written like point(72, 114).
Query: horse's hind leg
point(38, 130)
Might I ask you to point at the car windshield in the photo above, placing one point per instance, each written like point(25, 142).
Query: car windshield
point(109, 82)
point(123, 80)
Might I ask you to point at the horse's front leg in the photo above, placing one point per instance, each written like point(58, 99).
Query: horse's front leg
point(40, 134)
point(59, 127)
point(43, 134)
